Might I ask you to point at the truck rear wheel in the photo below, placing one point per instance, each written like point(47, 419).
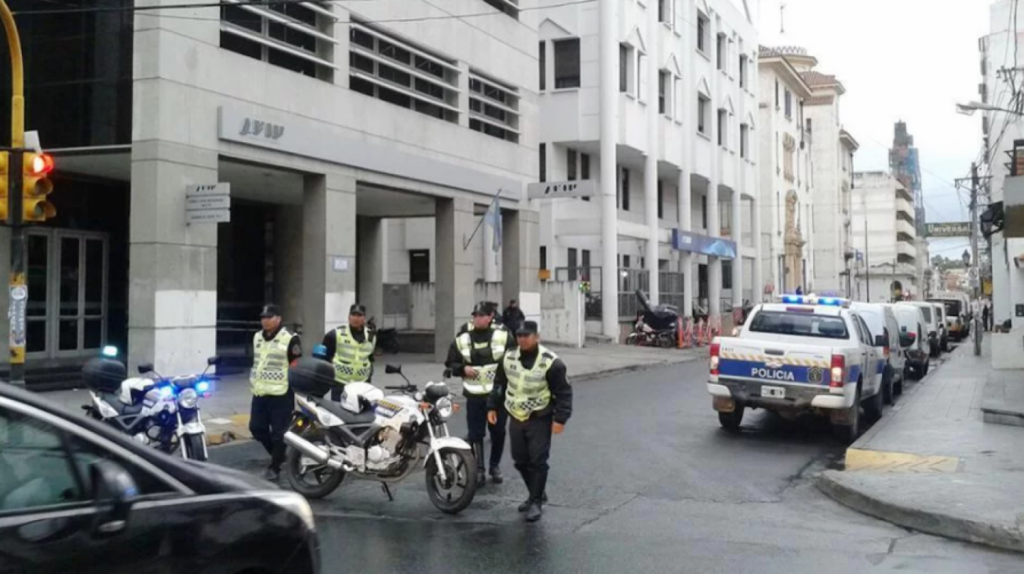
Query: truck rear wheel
point(849, 430)
point(731, 421)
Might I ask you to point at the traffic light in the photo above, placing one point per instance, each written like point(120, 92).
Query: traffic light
point(35, 186)
point(5, 158)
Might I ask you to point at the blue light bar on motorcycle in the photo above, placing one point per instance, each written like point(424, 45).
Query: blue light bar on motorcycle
point(166, 391)
point(110, 351)
point(202, 386)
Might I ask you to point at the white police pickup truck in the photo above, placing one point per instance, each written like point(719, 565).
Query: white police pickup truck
point(801, 354)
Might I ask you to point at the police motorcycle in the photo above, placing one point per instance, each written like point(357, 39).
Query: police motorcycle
point(156, 411)
point(375, 437)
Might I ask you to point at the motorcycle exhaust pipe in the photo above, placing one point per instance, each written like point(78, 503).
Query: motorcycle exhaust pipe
point(320, 455)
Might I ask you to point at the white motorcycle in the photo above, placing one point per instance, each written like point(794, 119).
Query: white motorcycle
point(374, 437)
point(158, 412)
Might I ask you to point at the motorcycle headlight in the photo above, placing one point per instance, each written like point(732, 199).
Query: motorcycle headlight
point(188, 398)
point(444, 408)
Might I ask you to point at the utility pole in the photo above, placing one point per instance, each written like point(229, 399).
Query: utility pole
point(867, 265)
point(18, 293)
point(976, 281)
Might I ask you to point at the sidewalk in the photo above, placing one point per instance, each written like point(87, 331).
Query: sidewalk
point(931, 464)
point(226, 413)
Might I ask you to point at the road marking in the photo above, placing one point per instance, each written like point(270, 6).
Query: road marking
point(219, 421)
point(898, 462)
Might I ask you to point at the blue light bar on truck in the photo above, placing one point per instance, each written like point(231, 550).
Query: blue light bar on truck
point(815, 300)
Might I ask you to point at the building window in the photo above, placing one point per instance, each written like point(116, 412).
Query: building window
point(744, 139)
point(419, 266)
point(388, 69)
point(704, 211)
point(723, 128)
point(810, 136)
point(542, 151)
point(664, 97)
point(743, 70)
point(661, 200)
point(567, 63)
point(624, 190)
point(509, 7)
point(572, 264)
point(585, 170)
point(703, 30)
point(291, 35)
point(776, 93)
point(624, 59)
point(641, 74)
point(726, 274)
point(493, 107)
point(543, 257)
point(721, 52)
point(665, 10)
point(703, 114)
point(789, 104)
point(570, 163)
point(542, 60)
point(585, 264)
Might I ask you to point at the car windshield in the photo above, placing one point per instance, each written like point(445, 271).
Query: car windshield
point(799, 324)
point(952, 306)
point(873, 317)
point(927, 312)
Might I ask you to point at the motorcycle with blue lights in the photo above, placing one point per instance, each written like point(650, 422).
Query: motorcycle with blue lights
point(372, 437)
point(157, 411)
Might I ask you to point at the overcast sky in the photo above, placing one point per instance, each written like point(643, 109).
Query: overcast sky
point(886, 53)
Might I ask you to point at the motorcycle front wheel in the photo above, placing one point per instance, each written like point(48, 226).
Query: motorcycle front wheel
point(195, 447)
point(453, 494)
point(305, 476)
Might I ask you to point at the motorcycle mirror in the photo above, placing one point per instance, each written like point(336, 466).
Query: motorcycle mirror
point(393, 369)
point(145, 368)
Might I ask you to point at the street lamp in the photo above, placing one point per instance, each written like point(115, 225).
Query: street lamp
point(969, 108)
point(967, 258)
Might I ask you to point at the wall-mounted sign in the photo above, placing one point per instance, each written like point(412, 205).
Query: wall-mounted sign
point(583, 188)
point(208, 203)
point(948, 229)
point(339, 264)
point(703, 244)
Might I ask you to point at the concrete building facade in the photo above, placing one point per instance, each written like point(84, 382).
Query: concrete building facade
point(656, 103)
point(884, 233)
point(327, 121)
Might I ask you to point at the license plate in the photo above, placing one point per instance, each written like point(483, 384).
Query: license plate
point(773, 392)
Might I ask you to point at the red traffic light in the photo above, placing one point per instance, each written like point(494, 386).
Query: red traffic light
point(41, 164)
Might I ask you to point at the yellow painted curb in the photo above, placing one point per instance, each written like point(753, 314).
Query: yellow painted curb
point(898, 462)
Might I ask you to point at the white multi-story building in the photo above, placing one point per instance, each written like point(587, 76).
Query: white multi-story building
point(884, 233)
point(656, 101)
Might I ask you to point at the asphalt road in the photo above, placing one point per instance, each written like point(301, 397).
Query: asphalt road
point(643, 480)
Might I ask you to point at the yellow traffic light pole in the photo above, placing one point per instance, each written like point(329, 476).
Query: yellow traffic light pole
point(18, 293)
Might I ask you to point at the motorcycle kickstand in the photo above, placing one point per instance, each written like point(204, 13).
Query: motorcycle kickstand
point(387, 491)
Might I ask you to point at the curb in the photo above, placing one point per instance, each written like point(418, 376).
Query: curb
point(959, 528)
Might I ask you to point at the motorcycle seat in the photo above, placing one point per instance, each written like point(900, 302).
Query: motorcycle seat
point(363, 418)
point(122, 409)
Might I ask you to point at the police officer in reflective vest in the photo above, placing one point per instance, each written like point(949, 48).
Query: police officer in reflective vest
point(350, 347)
point(531, 385)
point(474, 356)
point(274, 348)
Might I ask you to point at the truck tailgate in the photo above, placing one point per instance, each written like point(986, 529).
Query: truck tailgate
point(769, 362)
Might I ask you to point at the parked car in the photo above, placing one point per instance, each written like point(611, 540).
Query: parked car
point(913, 339)
point(881, 321)
point(931, 319)
point(943, 320)
point(958, 312)
point(77, 496)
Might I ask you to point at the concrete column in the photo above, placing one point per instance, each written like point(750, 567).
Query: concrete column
point(328, 253)
point(685, 187)
point(490, 258)
point(737, 234)
point(520, 260)
point(172, 299)
point(370, 261)
point(685, 208)
point(714, 217)
point(454, 274)
point(651, 160)
point(755, 230)
point(287, 267)
point(609, 111)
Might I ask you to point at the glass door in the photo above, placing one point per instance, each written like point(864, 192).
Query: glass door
point(37, 315)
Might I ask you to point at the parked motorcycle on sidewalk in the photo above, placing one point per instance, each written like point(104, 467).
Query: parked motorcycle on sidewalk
point(156, 411)
point(655, 326)
point(372, 437)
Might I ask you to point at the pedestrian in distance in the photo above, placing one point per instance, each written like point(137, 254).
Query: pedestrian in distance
point(532, 387)
point(513, 316)
point(274, 349)
point(984, 315)
point(351, 350)
point(475, 355)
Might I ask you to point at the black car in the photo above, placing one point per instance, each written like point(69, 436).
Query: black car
point(75, 496)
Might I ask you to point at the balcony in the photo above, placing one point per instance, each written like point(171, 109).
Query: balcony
point(902, 205)
point(906, 250)
point(903, 226)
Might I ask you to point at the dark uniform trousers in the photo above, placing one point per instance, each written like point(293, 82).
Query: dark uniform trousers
point(476, 423)
point(530, 442)
point(268, 421)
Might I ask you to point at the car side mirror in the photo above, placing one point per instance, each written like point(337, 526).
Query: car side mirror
point(881, 341)
point(903, 328)
point(145, 368)
point(906, 340)
point(213, 361)
point(392, 369)
point(114, 492)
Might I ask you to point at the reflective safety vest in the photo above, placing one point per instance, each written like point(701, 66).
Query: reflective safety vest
point(269, 375)
point(352, 358)
point(527, 391)
point(484, 381)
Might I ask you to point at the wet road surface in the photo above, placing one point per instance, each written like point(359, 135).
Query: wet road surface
point(642, 480)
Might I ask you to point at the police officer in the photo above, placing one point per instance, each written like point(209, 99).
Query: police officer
point(474, 356)
point(350, 347)
point(531, 385)
point(274, 348)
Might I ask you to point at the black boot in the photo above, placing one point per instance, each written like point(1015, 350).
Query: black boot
point(526, 504)
point(533, 512)
point(496, 477)
point(478, 453)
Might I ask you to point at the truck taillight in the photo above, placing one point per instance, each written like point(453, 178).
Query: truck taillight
point(838, 371)
point(715, 350)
